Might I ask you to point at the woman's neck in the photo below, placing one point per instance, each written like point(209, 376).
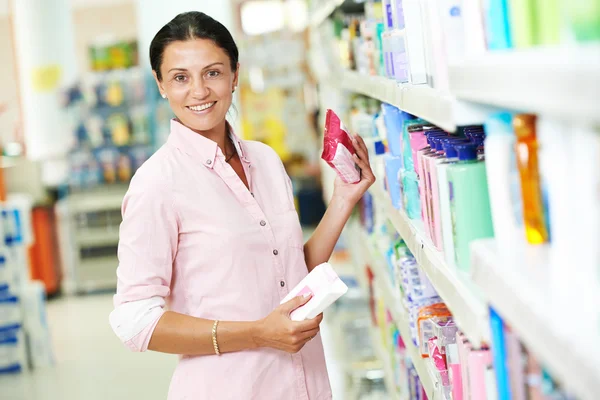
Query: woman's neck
point(218, 135)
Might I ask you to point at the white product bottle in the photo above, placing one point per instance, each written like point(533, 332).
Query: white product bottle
point(437, 65)
point(556, 157)
point(475, 42)
point(414, 42)
point(451, 15)
point(585, 190)
point(504, 183)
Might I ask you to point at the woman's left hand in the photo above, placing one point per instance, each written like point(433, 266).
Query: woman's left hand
point(351, 193)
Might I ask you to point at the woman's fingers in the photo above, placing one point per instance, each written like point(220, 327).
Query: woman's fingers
point(360, 147)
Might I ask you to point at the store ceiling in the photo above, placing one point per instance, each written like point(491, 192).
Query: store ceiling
point(4, 4)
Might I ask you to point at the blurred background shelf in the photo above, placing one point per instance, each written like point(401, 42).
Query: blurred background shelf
point(323, 11)
point(519, 291)
point(561, 82)
point(390, 382)
point(399, 313)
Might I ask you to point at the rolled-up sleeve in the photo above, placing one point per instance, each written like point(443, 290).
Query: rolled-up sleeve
point(148, 240)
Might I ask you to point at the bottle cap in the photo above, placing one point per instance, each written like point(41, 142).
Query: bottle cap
point(466, 151)
point(450, 149)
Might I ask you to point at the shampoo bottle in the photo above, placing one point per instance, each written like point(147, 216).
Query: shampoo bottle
point(444, 196)
point(469, 203)
point(503, 181)
point(527, 162)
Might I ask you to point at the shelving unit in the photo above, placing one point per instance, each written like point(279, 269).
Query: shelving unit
point(88, 226)
point(458, 292)
point(558, 82)
point(430, 104)
point(325, 10)
point(387, 365)
point(370, 256)
point(516, 290)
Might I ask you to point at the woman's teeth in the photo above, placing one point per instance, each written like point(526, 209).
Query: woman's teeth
point(202, 107)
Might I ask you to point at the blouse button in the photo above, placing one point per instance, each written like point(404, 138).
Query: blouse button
point(208, 162)
point(263, 223)
point(282, 283)
point(275, 252)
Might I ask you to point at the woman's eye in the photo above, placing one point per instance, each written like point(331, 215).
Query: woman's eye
point(180, 78)
point(213, 74)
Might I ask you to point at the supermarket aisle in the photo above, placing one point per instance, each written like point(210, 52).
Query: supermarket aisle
point(92, 364)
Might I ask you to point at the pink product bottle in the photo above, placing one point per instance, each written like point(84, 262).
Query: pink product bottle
point(479, 362)
point(418, 141)
point(464, 348)
point(454, 369)
point(419, 144)
point(434, 195)
point(424, 181)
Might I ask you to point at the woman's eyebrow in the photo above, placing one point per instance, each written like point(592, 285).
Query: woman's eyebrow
point(213, 64)
point(208, 66)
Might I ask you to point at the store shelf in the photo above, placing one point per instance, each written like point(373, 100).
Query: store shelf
point(97, 237)
point(108, 197)
point(382, 354)
point(462, 297)
point(557, 82)
point(430, 104)
point(323, 11)
point(400, 315)
point(518, 289)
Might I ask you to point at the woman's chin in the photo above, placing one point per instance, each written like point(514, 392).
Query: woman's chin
point(202, 123)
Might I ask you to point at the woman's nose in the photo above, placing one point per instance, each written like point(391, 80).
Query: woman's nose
point(200, 89)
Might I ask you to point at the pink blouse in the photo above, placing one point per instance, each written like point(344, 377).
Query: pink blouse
point(195, 239)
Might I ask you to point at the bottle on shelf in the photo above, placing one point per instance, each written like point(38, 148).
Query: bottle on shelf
point(469, 202)
point(536, 231)
point(503, 178)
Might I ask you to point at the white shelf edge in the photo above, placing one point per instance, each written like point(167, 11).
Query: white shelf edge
point(390, 382)
point(561, 81)
point(323, 12)
point(505, 291)
point(419, 100)
point(400, 317)
point(458, 292)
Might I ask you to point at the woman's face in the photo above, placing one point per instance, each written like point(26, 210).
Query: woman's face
point(198, 82)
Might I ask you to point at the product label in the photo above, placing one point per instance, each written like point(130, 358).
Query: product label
point(343, 163)
point(452, 213)
point(389, 15)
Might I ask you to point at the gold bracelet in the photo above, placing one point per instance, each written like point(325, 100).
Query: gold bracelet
point(214, 338)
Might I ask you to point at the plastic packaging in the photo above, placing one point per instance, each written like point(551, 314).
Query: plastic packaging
point(393, 168)
point(527, 161)
point(445, 209)
point(414, 42)
point(469, 203)
point(504, 183)
point(498, 25)
point(500, 356)
point(394, 121)
point(338, 149)
point(523, 23)
point(326, 287)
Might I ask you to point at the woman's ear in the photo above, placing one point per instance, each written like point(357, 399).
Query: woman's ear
point(161, 89)
point(236, 78)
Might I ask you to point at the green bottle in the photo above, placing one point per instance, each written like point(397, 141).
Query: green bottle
point(523, 24)
point(469, 203)
point(584, 19)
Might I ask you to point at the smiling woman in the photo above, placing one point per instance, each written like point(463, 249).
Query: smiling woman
point(195, 63)
point(209, 227)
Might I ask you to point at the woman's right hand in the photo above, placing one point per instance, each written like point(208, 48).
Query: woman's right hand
point(279, 332)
